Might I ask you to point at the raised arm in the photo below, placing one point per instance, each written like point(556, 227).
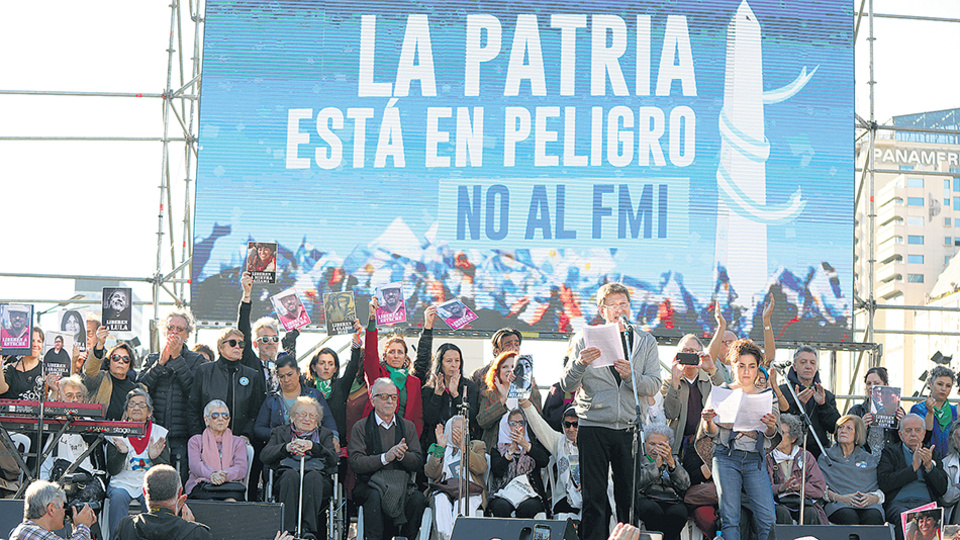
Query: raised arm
point(717, 340)
point(421, 367)
point(769, 345)
point(540, 428)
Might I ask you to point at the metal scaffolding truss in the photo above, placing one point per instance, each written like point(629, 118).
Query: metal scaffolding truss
point(180, 100)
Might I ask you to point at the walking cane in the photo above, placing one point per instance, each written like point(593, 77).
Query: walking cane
point(300, 499)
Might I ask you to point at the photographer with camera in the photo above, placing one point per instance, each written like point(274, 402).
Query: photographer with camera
point(44, 510)
point(169, 517)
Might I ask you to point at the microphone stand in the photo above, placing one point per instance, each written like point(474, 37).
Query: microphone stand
point(807, 428)
point(463, 486)
point(638, 426)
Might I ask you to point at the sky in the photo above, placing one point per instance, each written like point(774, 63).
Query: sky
point(91, 208)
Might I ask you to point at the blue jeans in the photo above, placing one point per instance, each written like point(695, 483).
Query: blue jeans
point(743, 472)
point(120, 506)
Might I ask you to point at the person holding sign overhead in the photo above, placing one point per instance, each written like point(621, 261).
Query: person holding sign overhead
point(606, 406)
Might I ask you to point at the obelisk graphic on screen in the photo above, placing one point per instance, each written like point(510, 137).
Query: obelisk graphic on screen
point(742, 210)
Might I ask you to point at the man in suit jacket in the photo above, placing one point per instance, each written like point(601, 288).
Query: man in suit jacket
point(909, 474)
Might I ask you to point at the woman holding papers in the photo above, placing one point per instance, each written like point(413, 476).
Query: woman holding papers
point(741, 435)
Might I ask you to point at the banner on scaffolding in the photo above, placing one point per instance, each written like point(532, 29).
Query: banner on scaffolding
point(518, 156)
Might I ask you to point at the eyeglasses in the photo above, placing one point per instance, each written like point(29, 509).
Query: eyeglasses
point(304, 414)
point(269, 339)
point(224, 415)
point(235, 343)
point(618, 305)
point(387, 397)
point(515, 423)
point(120, 358)
point(571, 424)
point(175, 328)
point(137, 405)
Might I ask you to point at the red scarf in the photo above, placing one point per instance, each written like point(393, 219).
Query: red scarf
point(141, 443)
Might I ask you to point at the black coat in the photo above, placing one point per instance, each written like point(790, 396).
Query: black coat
point(161, 524)
point(893, 472)
point(439, 409)
point(822, 417)
point(211, 383)
point(340, 391)
point(169, 386)
point(276, 449)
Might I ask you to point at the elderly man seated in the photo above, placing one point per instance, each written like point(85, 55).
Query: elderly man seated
point(43, 511)
point(909, 473)
point(384, 452)
point(169, 516)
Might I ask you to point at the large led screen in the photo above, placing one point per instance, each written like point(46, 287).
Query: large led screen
point(518, 155)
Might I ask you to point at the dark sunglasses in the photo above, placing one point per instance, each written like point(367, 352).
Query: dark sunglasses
point(575, 424)
point(235, 343)
point(118, 358)
point(216, 415)
point(269, 339)
point(515, 423)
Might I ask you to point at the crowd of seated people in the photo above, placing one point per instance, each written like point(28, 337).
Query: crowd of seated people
point(398, 428)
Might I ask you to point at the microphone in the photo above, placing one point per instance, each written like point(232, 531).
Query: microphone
point(626, 323)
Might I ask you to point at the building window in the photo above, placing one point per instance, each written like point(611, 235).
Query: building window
point(915, 259)
point(946, 184)
point(918, 201)
point(947, 222)
point(914, 278)
point(915, 182)
point(906, 167)
point(915, 239)
point(956, 183)
point(915, 220)
point(956, 203)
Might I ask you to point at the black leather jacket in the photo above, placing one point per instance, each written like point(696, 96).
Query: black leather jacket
point(212, 381)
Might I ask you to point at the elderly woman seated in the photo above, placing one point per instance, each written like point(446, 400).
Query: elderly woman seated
point(304, 441)
point(661, 483)
point(218, 459)
point(443, 470)
point(786, 464)
point(853, 495)
point(515, 464)
point(129, 458)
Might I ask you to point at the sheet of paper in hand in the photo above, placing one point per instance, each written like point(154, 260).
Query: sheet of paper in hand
point(74, 321)
point(290, 309)
point(117, 305)
point(392, 308)
point(261, 260)
point(605, 337)
point(522, 384)
point(16, 329)
point(339, 310)
point(744, 411)
point(456, 314)
point(56, 355)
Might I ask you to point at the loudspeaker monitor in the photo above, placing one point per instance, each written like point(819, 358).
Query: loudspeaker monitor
point(512, 529)
point(231, 520)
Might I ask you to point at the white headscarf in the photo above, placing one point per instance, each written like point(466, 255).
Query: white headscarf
point(504, 433)
point(451, 454)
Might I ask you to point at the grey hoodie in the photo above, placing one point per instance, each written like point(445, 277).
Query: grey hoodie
point(601, 402)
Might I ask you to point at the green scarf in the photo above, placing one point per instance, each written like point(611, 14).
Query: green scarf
point(944, 415)
point(398, 376)
point(358, 384)
point(324, 387)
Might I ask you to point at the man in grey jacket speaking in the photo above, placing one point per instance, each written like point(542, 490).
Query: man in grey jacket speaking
point(606, 407)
